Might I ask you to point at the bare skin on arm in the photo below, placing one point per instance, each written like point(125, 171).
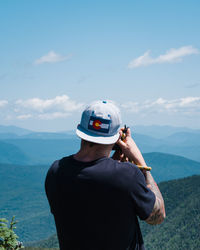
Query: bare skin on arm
point(158, 214)
point(132, 152)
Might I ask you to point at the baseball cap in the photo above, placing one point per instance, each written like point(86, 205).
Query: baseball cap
point(100, 123)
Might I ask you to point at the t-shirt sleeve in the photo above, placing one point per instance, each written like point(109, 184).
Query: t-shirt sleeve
point(142, 197)
point(50, 183)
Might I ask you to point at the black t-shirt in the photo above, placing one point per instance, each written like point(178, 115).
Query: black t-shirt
point(96, 204)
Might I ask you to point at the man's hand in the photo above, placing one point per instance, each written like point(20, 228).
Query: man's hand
point(119, 156)
point(130, 149)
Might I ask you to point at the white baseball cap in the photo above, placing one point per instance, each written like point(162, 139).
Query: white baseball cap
point(100, 123)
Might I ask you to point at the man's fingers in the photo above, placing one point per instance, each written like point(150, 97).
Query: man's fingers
point(128, 133)
point(117, 155)
point(121, 132)
point(121, 143)
point(122, 157)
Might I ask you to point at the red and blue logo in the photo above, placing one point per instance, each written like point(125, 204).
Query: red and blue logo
point(99, 124)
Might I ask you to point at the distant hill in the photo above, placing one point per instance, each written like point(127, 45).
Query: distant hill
point(183, 144)
point(161, 131)
point(168, 167)
point(181, 227)
point(44, 147)
point(183, 138)
point(50, 242)
point(40, 248)
point(22, 194)
point(49, 136)
point(180, 230)
point(42, 151)
point(10, 153)
point(13, 130)
point(22, 191)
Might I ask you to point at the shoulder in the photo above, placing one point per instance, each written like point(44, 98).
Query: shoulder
point(57, 163)
point(126, 168)
point(125, 174)
point(54, 167)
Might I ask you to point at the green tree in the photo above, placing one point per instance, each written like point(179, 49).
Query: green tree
point(8, 238)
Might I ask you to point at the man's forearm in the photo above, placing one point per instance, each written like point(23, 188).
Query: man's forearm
point(158, 214)
point(130, 149)
point(135, 155)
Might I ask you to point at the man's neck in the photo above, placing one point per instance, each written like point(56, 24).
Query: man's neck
point(89, 156)
point(88, 153)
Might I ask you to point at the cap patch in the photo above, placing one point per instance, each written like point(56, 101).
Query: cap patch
point(99, 124)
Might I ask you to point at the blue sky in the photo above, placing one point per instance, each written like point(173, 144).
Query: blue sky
point(57, 56)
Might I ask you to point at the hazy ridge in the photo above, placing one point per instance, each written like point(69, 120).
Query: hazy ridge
point(25, 157)
point(43, 148)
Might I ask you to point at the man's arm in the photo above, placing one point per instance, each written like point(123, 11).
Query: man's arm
point(158, 214)
point(130, 150)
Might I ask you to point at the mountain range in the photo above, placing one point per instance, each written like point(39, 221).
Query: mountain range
point(156, 131)
point(25, 157)
point(23, 193)
point(180, 230)
point(159, 131)
point(43, 148)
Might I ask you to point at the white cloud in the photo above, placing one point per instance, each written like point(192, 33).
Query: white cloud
point(24, 116)
point(171, 56)
point(186, 105)
point(46, 109)
point(52, 116)
point(3, 103)
point(51, 57)
point(62, 106)
point(59, 103)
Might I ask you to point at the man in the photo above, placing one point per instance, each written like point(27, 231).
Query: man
point(96, 199)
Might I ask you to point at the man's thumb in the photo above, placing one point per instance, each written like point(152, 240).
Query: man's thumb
point(121, 143)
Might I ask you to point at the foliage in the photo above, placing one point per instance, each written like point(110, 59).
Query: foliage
point(40, 248)
point(8, 238)
point(51, 242)
point(181, 228)
point(23, 192)
point(23, 195)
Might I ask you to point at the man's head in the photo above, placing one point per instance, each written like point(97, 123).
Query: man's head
point(100, 123)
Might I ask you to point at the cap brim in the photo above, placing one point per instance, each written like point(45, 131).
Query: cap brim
point(96, 138)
